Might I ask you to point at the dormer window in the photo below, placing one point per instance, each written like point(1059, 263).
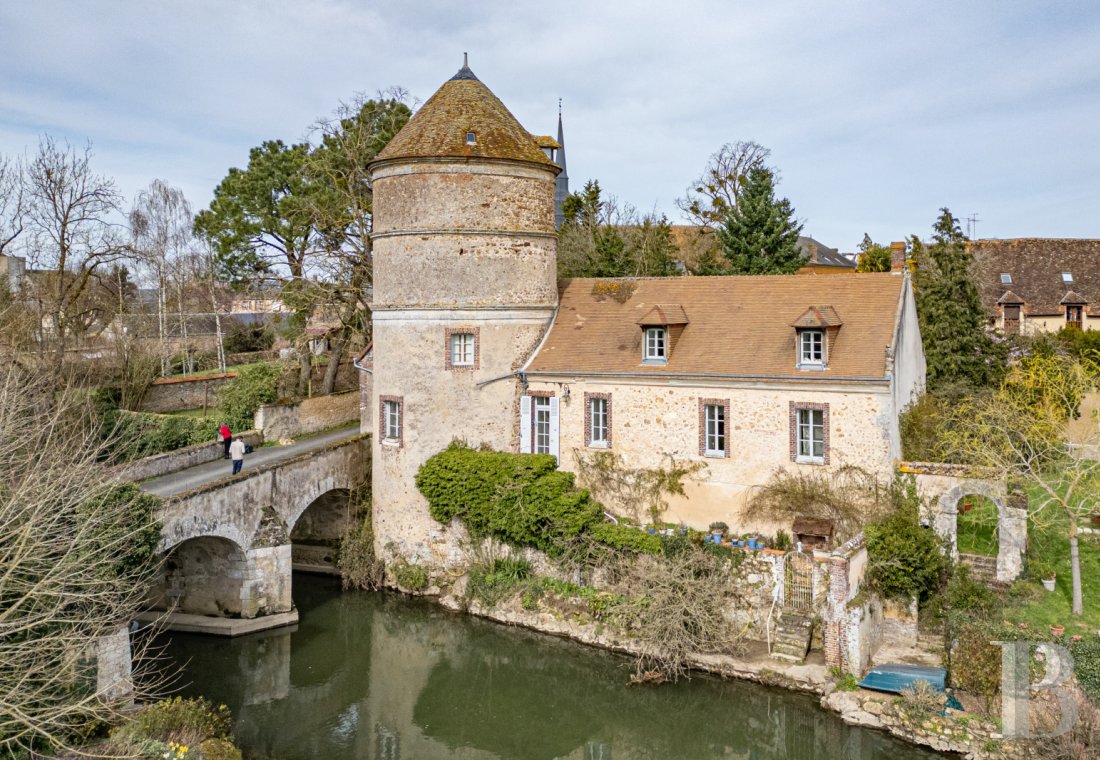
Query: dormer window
point(655, 348)
point(1067, 278)
point(471, 138)
point(1006, 278)
point(811, 348)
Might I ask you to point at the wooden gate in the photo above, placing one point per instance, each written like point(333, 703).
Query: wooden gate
point(800, 581)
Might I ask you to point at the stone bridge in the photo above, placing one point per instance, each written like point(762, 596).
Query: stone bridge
point(232, 543)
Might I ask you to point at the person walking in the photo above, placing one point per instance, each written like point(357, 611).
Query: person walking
point(226, 437)
point(236, 451)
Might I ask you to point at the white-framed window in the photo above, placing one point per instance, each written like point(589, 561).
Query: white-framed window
point(656, 345)
point(1067, 278)
point(391, 420)
point(462, 349)
point(540, 421)
point(1006, 278)
point(810, 431)
point(714, 430)
point(811, 347)
point(1073, 315)
point(598, 423)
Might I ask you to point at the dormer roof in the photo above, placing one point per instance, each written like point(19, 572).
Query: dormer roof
point(463, 105)
point(1009, 298)
point(819, 317)
point(669, 314)
point(1073, 298)
point(740, 326)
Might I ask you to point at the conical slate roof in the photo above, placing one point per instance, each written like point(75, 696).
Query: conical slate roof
point(462, 105)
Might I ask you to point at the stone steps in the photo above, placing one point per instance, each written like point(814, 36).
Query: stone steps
point(792, 637)
point(982, 568)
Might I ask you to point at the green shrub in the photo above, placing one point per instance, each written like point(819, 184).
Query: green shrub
point(254, 385)
point(906, 560)
point(412, 577)
point(521, 499)
point(491, 583)
point(976, 663)
point(625, 538)
point(136, 536)
point(184, 721)
point(782, 540)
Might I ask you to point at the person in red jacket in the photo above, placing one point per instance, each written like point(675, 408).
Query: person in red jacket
point(226, 438)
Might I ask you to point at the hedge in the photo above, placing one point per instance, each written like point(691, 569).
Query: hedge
point(521, 499)
point(626, 538)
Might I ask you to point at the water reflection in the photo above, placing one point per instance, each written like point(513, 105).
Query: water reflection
point(380, 676)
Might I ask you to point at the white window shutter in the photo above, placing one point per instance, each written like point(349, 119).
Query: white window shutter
point(554, 427)
point(524, 424)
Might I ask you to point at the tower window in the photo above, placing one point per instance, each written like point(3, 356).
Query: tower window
point(1006, 278)
point(471, 138)
point(390, 420)
point(462, 350)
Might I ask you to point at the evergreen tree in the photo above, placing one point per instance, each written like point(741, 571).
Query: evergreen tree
point(952, 321)
point(872, 256)
point(760, 235)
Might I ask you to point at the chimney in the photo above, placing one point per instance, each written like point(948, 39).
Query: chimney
point(897, 257)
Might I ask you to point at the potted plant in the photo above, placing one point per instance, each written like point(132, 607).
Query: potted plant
point(1044, 572)
point(1049, 583)
point(1057, 630)
point(782, 540)
point(718, 529)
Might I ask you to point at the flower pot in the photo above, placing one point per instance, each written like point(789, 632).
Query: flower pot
point(740, 544)
point(1095, 517)
point(1048, 583)
point(652, 531)
point(717, 537)
point(1057, 630)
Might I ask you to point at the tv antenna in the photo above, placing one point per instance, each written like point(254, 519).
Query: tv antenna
point(972, 225)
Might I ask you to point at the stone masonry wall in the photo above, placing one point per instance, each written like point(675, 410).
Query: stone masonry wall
point(653, 420)
point(307, 416)
point(172, 394)
point(180, 459)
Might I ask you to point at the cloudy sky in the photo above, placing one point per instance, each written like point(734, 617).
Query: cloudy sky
point(877, 113)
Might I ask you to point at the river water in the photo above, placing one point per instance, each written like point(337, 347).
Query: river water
point(376, 676)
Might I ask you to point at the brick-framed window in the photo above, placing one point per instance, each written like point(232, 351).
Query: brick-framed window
point(597, 420)
point(714, 417)
point(809, 432)
point(391, 420)
point(462, 348)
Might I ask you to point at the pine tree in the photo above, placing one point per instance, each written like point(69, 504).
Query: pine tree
point(760, 235)
point(957, 348)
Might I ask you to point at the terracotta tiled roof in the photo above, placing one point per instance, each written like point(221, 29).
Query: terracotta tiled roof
point(738, 325)
point(1036, 266)
point(818, 316)
point(463, 104)
point(665, 314)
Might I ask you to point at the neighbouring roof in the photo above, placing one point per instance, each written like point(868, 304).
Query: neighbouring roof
point(1036, 266)
point(818, 316)
point(816, 252)
point(738, 325)
point(463, 104)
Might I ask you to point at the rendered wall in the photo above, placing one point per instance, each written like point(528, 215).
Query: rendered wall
point(650, 421)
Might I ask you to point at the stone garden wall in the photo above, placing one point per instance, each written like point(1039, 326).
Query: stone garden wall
point(311, 415)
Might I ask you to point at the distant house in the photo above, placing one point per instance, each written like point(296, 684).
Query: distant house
point(746, 374)
point(1033, 285)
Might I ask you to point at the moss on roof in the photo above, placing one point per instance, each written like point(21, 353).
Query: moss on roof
point(462, 105)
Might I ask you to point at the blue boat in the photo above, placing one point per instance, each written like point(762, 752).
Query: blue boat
point(894, 676)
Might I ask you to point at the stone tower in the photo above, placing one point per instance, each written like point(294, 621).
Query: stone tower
point(465, 286)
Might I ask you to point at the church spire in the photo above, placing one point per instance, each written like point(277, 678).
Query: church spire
point(561, 192)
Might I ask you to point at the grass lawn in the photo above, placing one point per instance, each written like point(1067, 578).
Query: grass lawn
point(1029, 602)
point(977, 532)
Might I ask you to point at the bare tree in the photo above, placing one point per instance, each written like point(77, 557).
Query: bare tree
point(77, 553)
point(717, 191)
point(160, 226)
point(74, 237)
point(12, 208)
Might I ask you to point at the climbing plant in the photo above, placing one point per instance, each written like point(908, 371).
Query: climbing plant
point(634, 490)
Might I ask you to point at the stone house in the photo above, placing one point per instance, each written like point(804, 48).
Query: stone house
point(473, 340)
point(745, 374)
point(1033, 285)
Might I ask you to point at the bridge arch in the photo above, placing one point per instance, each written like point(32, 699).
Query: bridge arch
point(204, 575)
point(315, 537)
